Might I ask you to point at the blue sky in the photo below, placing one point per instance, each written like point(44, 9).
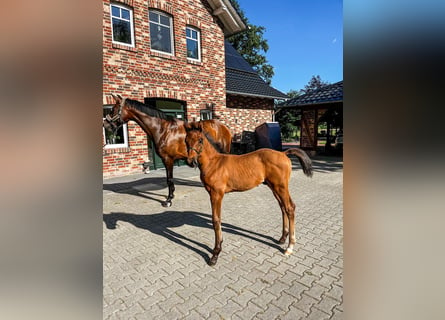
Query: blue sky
point(305, 38)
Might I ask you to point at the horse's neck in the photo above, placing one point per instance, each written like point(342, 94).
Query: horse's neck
point(151, 125)
point(209, 154)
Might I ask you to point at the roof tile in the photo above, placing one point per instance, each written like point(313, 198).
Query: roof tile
point(327, 94)
point(242, 79)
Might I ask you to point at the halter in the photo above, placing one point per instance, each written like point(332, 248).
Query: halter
point(197, 151)
point(115, 118)
point(118, 115)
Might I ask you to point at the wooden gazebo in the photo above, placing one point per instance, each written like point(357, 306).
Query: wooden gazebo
point(321, 105)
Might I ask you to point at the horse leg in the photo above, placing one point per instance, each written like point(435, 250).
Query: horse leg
point(285, 230)
point(281, 192)
point(216, 200)
point(168, 163)
point(290, 209)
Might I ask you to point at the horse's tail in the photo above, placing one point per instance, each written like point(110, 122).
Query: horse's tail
point(305, 161)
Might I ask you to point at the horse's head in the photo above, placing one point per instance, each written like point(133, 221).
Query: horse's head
point(195, 143)
point(117, 116)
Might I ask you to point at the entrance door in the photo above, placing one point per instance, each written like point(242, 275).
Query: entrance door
point(174, 108)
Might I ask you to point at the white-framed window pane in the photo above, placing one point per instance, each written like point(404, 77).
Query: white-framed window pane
point(206, 115)
point(125, 14)
point(153, 16)
point(193, 44)
point(192, 49)
point(114, 140)
point(122, 25)
point(164, 20)
point(115, 11)
point(161, 37)
point(121, 31)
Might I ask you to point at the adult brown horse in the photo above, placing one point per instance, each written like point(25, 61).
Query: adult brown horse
point(223, 173)
point(168, 134)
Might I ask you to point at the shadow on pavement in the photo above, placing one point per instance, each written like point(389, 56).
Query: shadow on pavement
point(321, 164)
point(161, 224)
point(142, 187)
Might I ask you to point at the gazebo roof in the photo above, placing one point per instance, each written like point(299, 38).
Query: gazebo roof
point(330, 93)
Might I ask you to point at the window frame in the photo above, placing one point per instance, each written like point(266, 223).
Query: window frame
point(198, 41)
point(124, 130)
point(171, 27)
point(132, 31)
point(205, 113)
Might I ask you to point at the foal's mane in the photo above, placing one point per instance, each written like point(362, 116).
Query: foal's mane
point(147, 109)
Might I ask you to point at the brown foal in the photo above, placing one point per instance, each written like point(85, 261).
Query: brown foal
point(223, 173)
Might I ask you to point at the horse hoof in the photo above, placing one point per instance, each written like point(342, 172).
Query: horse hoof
point(288, 252)
point(212, 261)
point(281, 241)
point(166, 204)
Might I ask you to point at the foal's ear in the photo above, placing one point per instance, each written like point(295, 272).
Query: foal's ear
point(198, 126)
point(192, 126)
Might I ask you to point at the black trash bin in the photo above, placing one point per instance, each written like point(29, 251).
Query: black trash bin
point(268, 135)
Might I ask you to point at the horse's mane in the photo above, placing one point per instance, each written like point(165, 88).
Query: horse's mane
point(153, 112)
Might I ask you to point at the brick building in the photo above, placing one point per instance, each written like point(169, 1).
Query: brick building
point(249, 99)
point(170, 54)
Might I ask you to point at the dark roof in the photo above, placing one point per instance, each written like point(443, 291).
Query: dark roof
point(327, 94)
point(242, 79)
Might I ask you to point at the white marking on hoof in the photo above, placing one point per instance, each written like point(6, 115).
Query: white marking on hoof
point(166, 204)
point(289, 250)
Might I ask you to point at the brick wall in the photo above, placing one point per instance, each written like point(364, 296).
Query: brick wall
point(247, 113)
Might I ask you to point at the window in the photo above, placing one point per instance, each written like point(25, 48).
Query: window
point(171, 107)
point(206, 115)
point(161, 32)
point(120, 139)
point(122, 25)
point(193, 43)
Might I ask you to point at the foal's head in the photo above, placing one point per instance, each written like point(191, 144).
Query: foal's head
point(195, 143)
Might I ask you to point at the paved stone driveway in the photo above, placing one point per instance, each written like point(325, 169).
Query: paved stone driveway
point(155, 260)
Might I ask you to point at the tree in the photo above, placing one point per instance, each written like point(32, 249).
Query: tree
point(289, 120)
point(314, 84)
point(252, 46)
point(294, 93)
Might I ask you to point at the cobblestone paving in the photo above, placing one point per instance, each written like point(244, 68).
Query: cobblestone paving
point(155, 258)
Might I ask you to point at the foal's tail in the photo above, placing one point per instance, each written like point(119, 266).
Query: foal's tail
point(305, 161)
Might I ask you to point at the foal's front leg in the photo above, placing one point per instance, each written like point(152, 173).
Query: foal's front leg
point(216, 200)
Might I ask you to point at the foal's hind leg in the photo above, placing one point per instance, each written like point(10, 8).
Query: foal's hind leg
point(291, 215)
point(281, 193)
point(285, 230)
